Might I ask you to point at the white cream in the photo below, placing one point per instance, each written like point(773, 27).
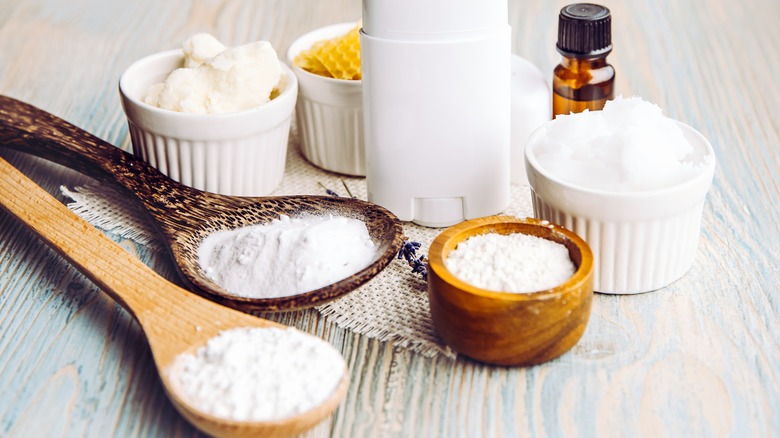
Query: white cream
point(199, 48)
point(235, 79)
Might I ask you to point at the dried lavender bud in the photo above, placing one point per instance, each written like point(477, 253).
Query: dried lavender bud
point(408, 252)
point(328, 191)
point(418, 267)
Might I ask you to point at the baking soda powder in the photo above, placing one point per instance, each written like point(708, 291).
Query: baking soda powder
point(258, 374)
point(510, 263)
point(287, 256)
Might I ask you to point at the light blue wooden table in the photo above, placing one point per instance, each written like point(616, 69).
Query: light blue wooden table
point(698, 358)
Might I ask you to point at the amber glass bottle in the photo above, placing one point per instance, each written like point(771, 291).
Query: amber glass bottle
point(583, 80)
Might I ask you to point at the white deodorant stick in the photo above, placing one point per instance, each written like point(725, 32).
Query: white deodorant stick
point(436, 102)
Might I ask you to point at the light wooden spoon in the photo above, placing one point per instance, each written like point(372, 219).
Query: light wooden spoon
point(174, 320)
point(185, 216)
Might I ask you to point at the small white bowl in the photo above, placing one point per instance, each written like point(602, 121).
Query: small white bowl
point(241, 153)
point(641, 241)
point(329, 113)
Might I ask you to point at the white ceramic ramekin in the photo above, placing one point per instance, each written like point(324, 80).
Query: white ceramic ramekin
point(641, 241)
point(241, 153)
point(329, 114)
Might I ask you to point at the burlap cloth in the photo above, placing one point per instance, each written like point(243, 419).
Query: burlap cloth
point(392, 307)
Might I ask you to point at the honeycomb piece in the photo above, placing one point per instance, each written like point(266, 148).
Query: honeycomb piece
point(336, 58)
point(309, 62)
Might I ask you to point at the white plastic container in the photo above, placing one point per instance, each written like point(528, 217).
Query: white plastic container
point(436, 107)
point(531, 108)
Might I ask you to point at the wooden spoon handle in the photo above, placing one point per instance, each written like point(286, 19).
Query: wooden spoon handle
point(28, 129)
point(114, 270)
point(170, 316)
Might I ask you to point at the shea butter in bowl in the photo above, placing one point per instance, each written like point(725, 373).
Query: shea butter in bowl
point(629, 181)
point(220, 129)
point(511, 319)
point(329, 114)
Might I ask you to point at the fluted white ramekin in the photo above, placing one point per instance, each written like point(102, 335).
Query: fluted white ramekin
point(641, 241)
point(240, 153)
point(329, 114)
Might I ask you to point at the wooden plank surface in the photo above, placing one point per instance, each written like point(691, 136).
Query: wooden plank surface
point(698, 358)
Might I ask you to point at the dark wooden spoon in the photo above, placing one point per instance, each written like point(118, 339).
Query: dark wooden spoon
point(185, 216)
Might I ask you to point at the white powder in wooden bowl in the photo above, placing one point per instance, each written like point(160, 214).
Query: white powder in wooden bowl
point(287, 256)
point(515, 262)
point(258, 374)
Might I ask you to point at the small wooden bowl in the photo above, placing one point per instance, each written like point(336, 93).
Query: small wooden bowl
point(505, 328)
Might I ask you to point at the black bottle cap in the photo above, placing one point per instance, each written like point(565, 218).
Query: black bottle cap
point(584, 31)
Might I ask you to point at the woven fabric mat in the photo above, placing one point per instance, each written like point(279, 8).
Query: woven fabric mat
point(392, 307)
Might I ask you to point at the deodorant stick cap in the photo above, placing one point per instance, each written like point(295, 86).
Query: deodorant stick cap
point(415, 20)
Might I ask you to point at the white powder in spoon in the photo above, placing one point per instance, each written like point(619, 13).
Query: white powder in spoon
point(510, 263)
point(257, 374)
point(287, 256)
